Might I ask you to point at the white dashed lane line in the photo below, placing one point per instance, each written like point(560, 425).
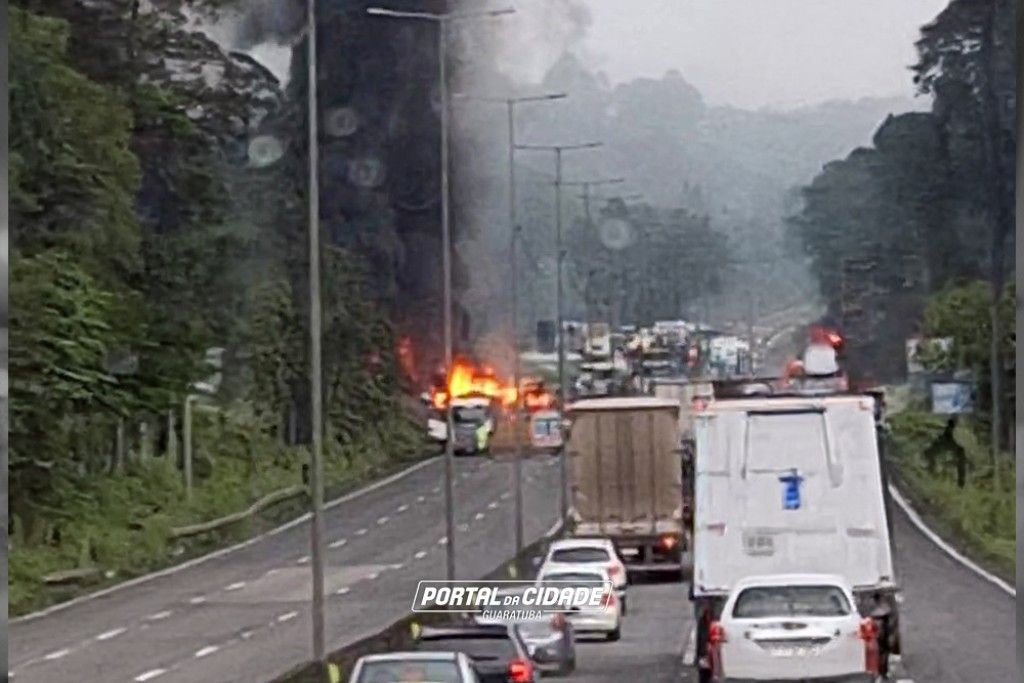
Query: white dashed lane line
point(420, 554)
point(208, 650)
point(197, 600)
point(493, 505)
point(159, 615)
point(420, 499)
point(150, 675)
point(112, 633)
point(337, 544)
point(56, 654)
point(287, 616)
point(478, 516)
point(382, 520)
point(443, 540)
point(302, 560)
point(238, 585)
point(342, 591)
point(403, 508)
point(361, 532)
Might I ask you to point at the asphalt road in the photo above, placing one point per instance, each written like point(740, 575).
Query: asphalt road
point(244, 616)
point(957, 628)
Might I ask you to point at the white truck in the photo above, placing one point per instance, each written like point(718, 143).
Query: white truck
point(626, 478)
point(791, 484)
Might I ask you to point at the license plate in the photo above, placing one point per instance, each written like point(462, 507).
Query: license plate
point(631, 552)
point(794, 651)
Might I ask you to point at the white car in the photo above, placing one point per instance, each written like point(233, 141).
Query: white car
point(605, 618)
point(414, 666)
point(569, 554)
point(793, 627)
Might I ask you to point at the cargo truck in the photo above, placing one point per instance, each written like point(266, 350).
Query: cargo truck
point(791, 484)
point(626, 478)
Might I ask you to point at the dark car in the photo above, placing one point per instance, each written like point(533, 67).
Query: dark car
point(498, 652)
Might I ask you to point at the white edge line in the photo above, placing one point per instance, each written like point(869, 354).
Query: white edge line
point(945, 547)
point(223, 551)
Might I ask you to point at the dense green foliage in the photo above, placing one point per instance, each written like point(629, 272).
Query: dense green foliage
point(978, 516)
point(931, 202)
point(145, 233)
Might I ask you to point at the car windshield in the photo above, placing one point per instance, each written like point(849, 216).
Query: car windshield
point(469, 415)
point(791, 601)
point(535, 629)
point(479, 648)
point(580, 555)
point(410, 672)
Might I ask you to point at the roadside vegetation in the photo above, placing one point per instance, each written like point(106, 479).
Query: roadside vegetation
point(946, 466)
point(159, 251)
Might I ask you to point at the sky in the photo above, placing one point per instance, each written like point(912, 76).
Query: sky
point(758, 53)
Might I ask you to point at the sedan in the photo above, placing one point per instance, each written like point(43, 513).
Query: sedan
point(793, 628)
point(398, 667)
point(569, 554)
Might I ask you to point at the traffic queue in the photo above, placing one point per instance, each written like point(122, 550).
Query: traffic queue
point(768, 494)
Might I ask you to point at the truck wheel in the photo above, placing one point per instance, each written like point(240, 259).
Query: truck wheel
point(704, 675)
point(615, 635)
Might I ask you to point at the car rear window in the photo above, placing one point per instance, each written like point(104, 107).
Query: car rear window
point(421, 672)
point(480, 648)
point(791, 601)
point(580, 555)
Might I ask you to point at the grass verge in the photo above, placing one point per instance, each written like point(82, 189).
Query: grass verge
point(979, 519)
point(119, 526)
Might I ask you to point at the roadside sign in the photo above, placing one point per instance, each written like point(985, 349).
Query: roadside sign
point(952, 398)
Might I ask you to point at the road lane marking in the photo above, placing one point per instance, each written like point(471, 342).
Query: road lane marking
point(287, 616)
point(148, 675)
point(372, 575)
point(57, 654)
point(238, 585)
point(208, 650)
point(945, 547)
point(159, 615)
point(493, 505)
point(382, 520)
point(691, 648)
point(420, 499)
point(112, 633)
point(442, 541)
point(337, 544)
point(478, 516)
point(420, 554)
point(225, 551)
point(361, 532)
point(197, 600)
point(436, 489)
point(342, 591)
point(403, 507)
point(505, 495)
point(302, 560)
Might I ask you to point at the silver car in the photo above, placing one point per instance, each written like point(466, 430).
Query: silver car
point(550, 639)
point(428, 667)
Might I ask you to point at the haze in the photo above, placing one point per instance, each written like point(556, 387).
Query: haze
point(756, 53)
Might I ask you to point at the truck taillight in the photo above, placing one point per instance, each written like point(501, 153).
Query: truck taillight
point(608, 599)
point(868, 632)
point(520, 671)
point(614, 569)
point(716, 633)
point(668, 541)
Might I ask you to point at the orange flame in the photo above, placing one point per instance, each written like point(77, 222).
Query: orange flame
point(465, 379)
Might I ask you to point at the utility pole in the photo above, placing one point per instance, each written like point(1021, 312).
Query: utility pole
point(560, 258)
point(316, 469)
point(442, 21)
point(514, 230)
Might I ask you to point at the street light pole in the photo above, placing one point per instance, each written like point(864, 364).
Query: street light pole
point(558, 149)
point(517, 468)
point(316, 470)
point(449, 449)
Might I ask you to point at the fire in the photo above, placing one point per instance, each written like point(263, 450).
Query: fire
point(466, 379)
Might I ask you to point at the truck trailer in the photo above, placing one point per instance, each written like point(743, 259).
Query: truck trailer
point(791, 484)
point(626, 478)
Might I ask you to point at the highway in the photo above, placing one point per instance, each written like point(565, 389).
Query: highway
point(243, 616)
